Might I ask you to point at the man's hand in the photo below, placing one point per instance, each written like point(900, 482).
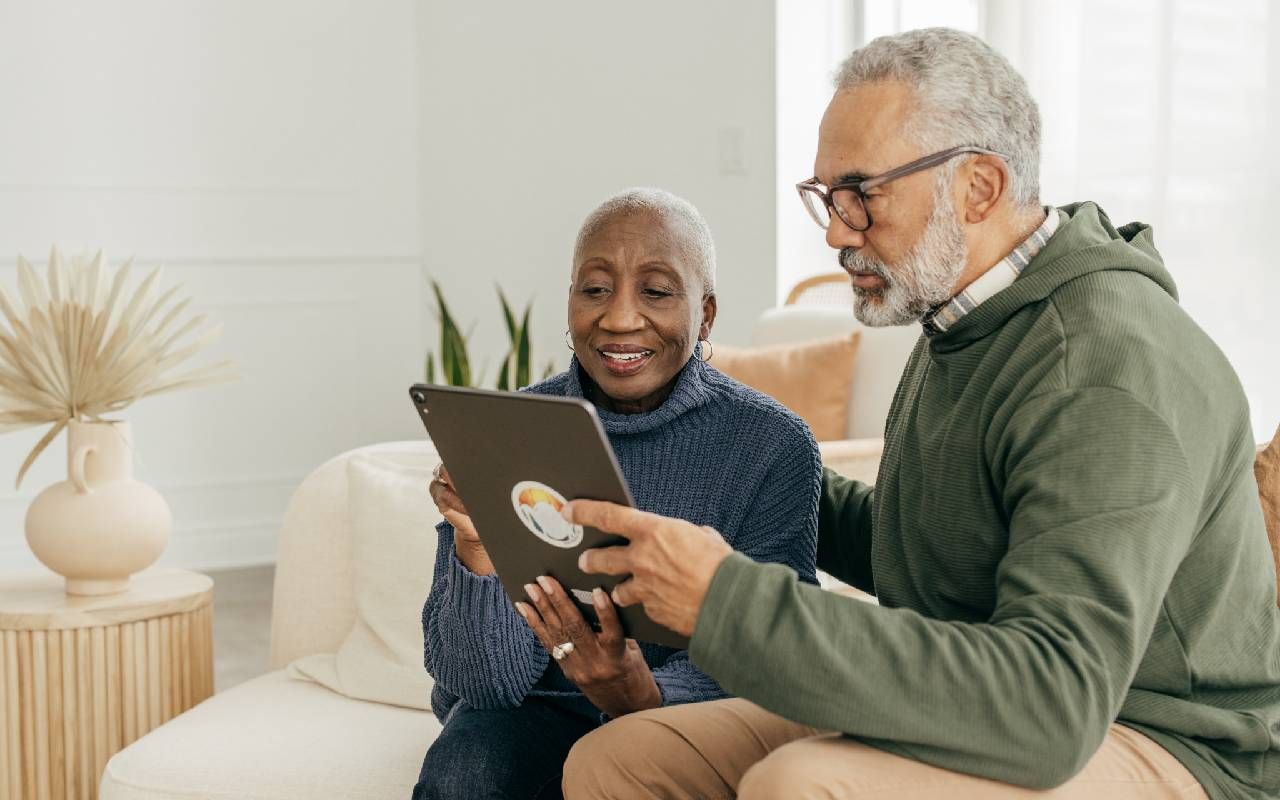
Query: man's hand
point(671, 562)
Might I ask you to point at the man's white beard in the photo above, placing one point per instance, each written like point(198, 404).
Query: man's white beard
point(926, 277)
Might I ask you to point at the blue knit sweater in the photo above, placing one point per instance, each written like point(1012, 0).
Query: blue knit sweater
point(715, 453)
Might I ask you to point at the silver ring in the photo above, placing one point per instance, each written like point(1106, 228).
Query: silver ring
point(561, 650)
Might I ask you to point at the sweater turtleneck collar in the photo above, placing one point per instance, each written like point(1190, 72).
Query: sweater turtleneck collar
point(690, 392)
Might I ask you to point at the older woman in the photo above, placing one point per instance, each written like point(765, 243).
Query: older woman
point(691, 443)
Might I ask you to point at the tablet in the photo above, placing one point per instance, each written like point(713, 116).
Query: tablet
point(515, 459)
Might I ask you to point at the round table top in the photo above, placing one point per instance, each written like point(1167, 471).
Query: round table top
point(40, 602)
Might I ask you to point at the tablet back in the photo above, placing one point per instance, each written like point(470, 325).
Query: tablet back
point(515, 458)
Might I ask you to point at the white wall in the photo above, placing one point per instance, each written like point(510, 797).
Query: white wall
point(266, 152)
point(812, 39)
point(533, 112)
point(300, 165)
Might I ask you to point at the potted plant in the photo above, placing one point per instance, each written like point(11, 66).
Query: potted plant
point(78, 347)
point(455, 361)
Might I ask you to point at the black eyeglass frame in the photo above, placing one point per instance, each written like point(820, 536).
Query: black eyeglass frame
point(859, 188)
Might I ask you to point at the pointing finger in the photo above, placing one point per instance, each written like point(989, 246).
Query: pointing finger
point(611, 517)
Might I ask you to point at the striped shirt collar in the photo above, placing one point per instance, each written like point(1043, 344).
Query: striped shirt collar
point(994, 280)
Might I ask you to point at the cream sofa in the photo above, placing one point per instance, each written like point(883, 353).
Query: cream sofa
point(882, 353)
point(280, 737)
point(277, 736)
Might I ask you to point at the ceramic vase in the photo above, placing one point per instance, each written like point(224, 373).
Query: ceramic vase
point(99, 526)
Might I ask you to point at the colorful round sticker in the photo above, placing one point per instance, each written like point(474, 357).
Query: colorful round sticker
point(538, 507)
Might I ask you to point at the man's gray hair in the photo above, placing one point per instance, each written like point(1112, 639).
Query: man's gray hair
point(965, 93)
point(697, 242)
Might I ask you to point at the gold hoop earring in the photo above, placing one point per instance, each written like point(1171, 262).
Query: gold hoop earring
point(569, 342)
point(710, 351)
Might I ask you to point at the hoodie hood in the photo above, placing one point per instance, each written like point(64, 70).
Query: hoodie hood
point(1085, 242)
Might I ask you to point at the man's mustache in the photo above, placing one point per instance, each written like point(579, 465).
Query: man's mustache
point(854, 261)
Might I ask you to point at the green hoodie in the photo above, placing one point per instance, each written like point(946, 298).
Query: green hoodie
point(1065, 532)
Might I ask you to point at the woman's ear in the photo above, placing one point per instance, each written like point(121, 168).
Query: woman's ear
point(708, 316)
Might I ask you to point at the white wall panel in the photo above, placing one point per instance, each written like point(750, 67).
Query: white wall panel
point(266, 154)
point(532, 113)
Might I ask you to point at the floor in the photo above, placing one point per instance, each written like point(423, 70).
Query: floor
point(241, 624)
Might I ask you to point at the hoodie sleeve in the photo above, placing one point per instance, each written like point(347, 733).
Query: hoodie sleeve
point(844, 530)
point(1091, 553)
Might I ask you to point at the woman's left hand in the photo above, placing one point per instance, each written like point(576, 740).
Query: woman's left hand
point(608, 668)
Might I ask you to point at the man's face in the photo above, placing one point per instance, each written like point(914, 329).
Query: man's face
point(914, 253)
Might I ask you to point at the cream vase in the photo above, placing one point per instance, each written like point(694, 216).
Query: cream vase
point(99, 526)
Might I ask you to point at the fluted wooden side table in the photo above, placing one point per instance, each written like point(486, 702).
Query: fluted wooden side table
point(82, 677)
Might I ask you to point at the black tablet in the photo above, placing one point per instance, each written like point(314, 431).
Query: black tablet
point(515, 459)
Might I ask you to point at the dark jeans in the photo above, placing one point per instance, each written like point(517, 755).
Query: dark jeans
point(509, 753)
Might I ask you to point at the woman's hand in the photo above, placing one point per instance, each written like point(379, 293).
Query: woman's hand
point(466, 541)
point(608, 668)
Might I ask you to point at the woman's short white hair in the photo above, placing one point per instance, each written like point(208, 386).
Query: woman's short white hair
point(697, 241)
point(966, 93)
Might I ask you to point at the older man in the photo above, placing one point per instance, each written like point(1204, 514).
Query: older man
point(1074, 583)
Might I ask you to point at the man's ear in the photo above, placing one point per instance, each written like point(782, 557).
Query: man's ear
point(708, 316)
point(988, 183)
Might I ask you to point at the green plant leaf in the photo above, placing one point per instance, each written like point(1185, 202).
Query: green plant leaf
point(453, 345)
point(441, 313)
point(446, 358)
point(521, 347)
point(508, 316)
point(457, 366)
point(504, 377)
point(431, 367)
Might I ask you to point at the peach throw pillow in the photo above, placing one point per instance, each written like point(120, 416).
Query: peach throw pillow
point(810, 378)
point(1266, 468)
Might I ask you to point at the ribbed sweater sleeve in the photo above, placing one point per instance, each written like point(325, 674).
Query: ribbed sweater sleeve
point(1101, 510)
point(780, 527)
point(477, 646)
point(681, 682)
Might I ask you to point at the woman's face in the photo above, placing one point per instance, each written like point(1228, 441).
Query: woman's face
point(636, 310)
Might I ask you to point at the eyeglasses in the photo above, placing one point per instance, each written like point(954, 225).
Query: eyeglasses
point(848, 199)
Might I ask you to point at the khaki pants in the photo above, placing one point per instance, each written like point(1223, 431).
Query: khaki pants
point(733, 748)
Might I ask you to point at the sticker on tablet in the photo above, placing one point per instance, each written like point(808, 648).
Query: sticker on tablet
point(538, 507)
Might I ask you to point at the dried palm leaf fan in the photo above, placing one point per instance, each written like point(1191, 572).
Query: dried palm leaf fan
point(78, 346)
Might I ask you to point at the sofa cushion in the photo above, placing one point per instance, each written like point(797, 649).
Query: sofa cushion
point(273, 738)
point(882, 353)
point(393, 551)
point(810, 378)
